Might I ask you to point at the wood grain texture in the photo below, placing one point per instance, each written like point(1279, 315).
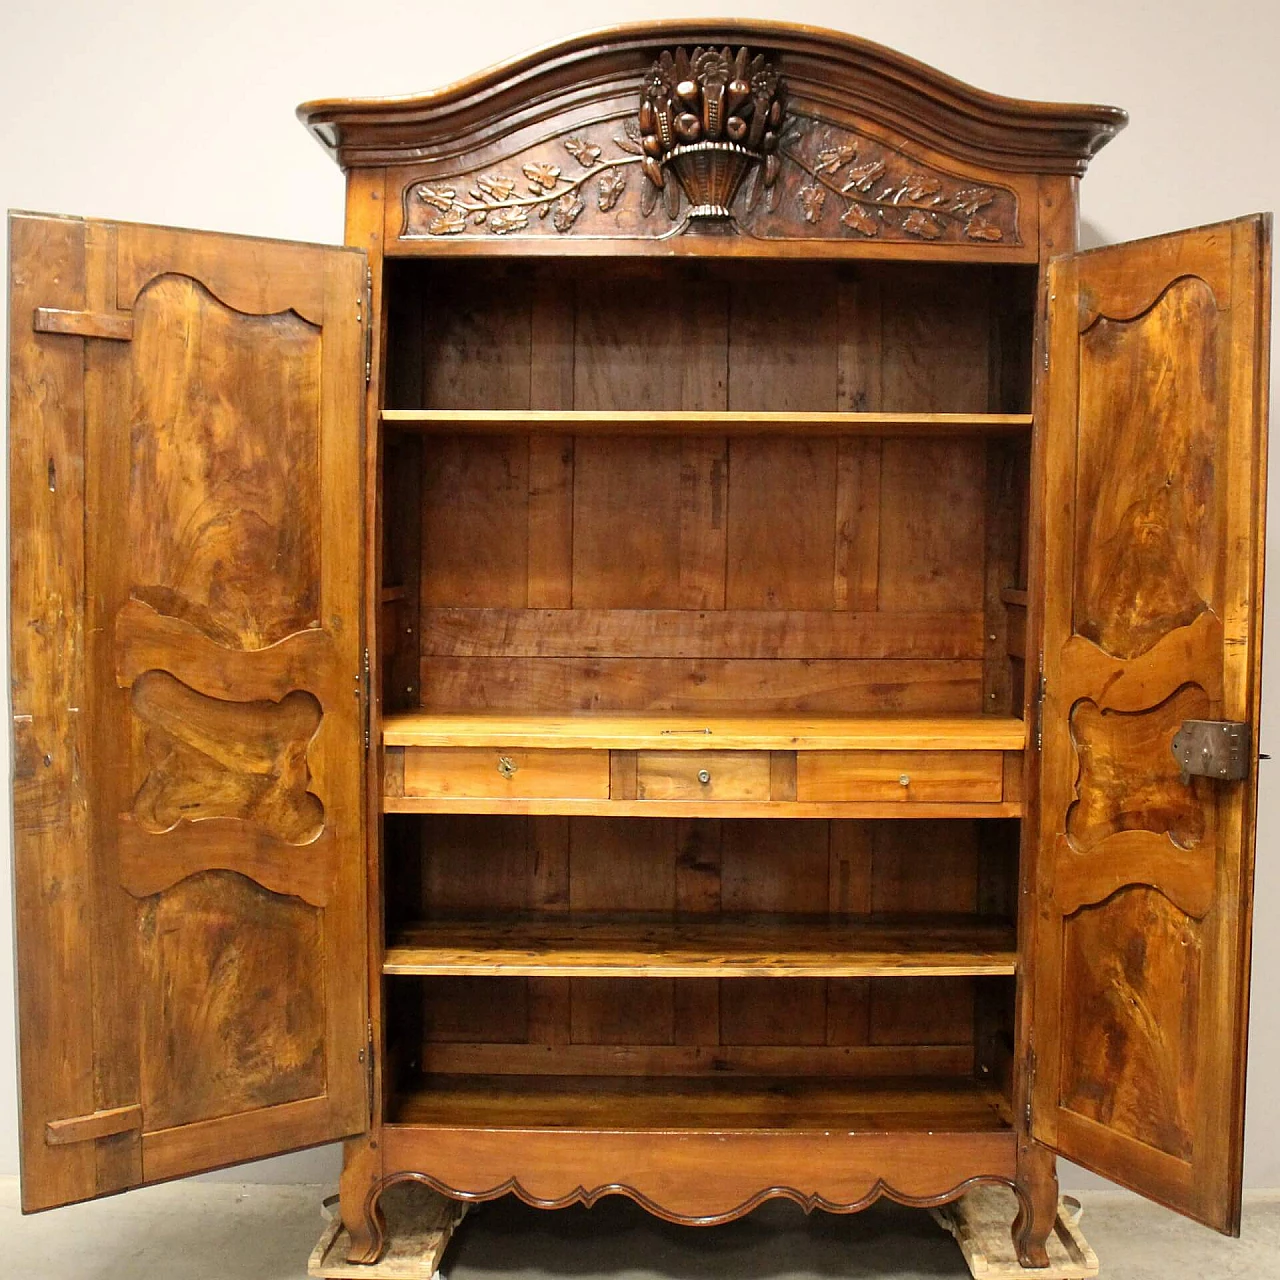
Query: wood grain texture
point(222, 894)
point(723, 947)
point(693, 733)
point(52, 848)
point(1148, 877)
point(704, 1178)
point(658, 422)
point(922, 103)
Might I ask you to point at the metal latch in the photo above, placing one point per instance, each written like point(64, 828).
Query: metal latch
point(1212, 749)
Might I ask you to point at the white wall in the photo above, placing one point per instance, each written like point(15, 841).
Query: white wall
point(182, 113)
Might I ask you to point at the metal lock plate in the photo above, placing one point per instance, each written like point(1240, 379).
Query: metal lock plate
point(507, 766)
point(1212, 749)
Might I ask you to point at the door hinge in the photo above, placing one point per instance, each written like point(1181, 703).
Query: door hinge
point(368, 703)
point(368, 325)
point(1039, 708)
point(366, 1057)
point(1031, 1082)
point(1212, 749)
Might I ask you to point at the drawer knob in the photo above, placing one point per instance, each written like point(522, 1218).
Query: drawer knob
point(507, 766)
point(704, 776)
point(904, 779)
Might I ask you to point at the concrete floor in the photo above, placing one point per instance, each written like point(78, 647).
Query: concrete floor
point(222, 1231)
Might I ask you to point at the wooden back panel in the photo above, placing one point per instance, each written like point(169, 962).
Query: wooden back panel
point(490, 866)
point(737, 540)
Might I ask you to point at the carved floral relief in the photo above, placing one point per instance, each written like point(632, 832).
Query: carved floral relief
point(713, 143)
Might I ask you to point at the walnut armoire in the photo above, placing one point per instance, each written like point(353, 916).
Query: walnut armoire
point(708, 654)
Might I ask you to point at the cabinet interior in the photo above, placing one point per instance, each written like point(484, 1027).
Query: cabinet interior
point(728, 566)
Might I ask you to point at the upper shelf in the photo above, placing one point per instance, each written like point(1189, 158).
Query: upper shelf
point(580, 422)
point(668, 731)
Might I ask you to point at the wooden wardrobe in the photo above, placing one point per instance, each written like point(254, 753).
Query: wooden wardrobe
point(708, 654)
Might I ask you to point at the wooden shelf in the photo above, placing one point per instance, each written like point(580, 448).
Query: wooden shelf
point(670, 732)
point(705, 422)
point(713, 947)
point(604, 1104)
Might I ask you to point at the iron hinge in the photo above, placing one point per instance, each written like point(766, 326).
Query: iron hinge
point(1212, 749)
point(1040, 688)
point(1031, 1081)
point(368, 703)
point(366, 1057)
point(368, 325)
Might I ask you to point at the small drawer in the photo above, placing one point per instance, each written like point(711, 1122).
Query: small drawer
point(491, 772)
point(702, 775)
point(974, 777)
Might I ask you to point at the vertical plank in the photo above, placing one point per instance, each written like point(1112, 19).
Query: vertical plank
point(551, 339)
point(627, 523)
point(109, 399)
point(50, 802)
point(475, 522)
point(704, 485)
point(697, 888)
point(623, 1011)
point(549, 856)
point(848, 1011)
point(770, 864)
point(1003, 544)
point(477, 338)
point(622, 775)
point(782, 517)
point(399, 656)
point(550, 533)
point(654, 338)
point(782, 775)
point(936, 332)
point(696, 1011)
point(859, 340)
point(783, 339)
point(549, 1006)
point(852, 844)
point(856, 582)
point(616, 861)
point(923, 866)
point(932, 503)
point(773, 1011)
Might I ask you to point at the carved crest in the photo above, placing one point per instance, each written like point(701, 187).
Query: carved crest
point(717, 144)
point(709, 118)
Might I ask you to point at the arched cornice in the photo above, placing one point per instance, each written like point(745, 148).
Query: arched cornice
point(827, 74)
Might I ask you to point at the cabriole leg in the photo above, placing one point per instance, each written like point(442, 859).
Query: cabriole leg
point(359, 1191)
point(1038, 1203)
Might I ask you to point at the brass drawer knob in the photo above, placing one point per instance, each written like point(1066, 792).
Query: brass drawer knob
point(704, 776)
point(507, 766)
point(904, 779)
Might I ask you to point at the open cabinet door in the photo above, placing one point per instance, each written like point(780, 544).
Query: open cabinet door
point(1156, 466)
point(185, 505)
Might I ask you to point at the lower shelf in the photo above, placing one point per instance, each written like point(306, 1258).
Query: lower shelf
point(583, 946)
point(599, 1104)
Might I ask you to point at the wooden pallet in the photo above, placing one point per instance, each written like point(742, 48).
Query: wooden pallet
point(420, 1224)
point(982, 1223)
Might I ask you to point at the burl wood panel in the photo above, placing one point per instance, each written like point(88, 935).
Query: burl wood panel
point(1156, 464)
point(226, 537)
point(1150, 495)
point(219, 777)
point(207, 758)
point(1131, 977)
point(231, 1016)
